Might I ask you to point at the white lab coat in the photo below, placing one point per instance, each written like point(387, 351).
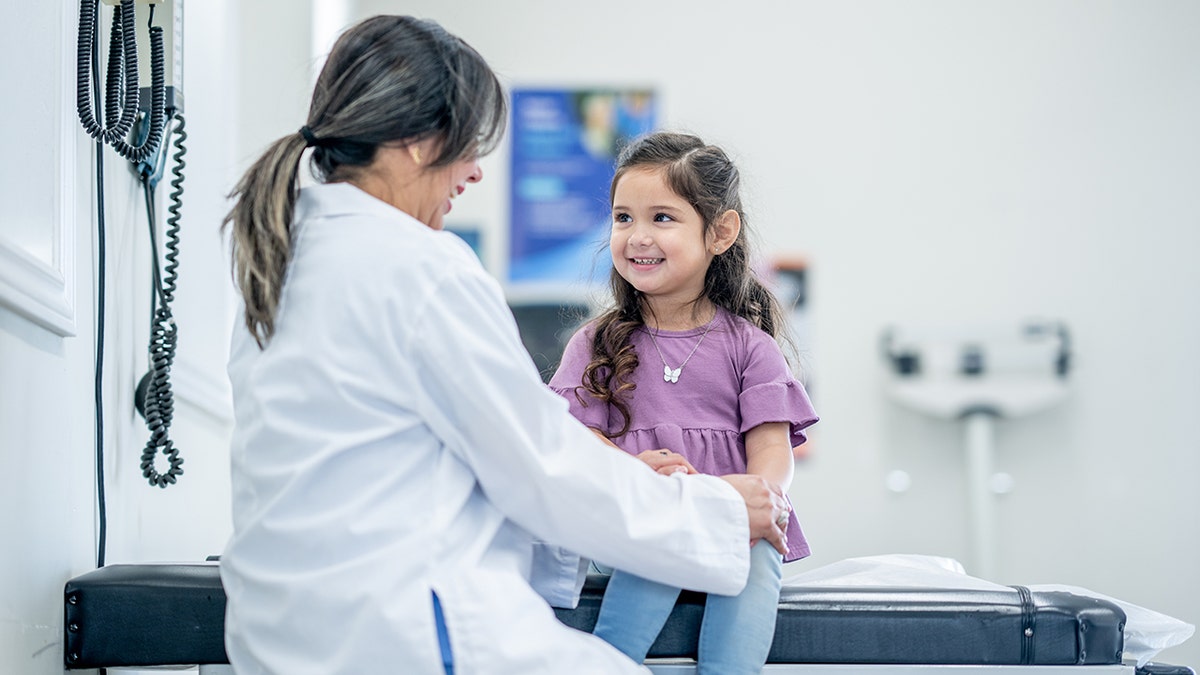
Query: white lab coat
point(394, 439)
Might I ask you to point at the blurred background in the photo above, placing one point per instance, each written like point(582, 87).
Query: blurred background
point(931, 168)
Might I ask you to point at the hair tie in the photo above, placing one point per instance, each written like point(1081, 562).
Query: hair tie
point(309, 138)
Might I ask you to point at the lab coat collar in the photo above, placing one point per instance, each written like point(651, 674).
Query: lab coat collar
point(340, 199)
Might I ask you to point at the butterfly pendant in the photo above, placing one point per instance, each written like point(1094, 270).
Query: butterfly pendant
point(670, 375)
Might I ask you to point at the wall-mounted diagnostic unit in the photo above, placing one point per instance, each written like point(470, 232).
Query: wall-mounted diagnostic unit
point(978, 375)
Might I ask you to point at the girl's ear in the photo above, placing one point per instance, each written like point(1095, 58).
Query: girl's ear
point(724, 232)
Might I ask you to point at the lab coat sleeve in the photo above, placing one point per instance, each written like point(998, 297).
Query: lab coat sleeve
point(546, 471)
point(557, 574)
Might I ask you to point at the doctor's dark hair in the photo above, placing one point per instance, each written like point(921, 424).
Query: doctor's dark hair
point(388, 79)
point(706, 178)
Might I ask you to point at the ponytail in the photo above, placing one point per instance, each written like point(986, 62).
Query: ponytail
point(261, 220)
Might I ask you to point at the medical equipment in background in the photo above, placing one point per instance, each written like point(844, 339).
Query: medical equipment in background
point(546, 325)
point(789, 281)
point(979, 375)
point(138, 122)
point(154, 398)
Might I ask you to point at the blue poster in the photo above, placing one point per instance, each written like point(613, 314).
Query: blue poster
point(564, 147)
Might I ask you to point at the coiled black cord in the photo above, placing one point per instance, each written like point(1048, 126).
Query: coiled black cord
point(120, 61)
point(122, 88)
point(115, 112)
point(164, 334)
point(121, 99)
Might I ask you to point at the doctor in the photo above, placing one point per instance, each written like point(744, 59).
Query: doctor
point(395, 451)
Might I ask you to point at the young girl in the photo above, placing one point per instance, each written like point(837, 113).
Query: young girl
point(686, 362)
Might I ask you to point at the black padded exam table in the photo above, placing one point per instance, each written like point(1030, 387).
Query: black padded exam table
point(174, 614)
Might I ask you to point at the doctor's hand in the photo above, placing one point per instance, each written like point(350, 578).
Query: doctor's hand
point(765, 505)
point(666, 462)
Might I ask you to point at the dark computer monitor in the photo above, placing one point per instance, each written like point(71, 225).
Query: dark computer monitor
point(545, 328)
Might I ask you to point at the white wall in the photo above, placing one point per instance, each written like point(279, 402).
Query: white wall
point(990, 160)
point(48, 513)
point(945, 161)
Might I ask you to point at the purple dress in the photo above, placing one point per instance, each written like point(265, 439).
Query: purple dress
point(736, 380)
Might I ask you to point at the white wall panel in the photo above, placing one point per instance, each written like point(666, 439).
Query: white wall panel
point(37, 185)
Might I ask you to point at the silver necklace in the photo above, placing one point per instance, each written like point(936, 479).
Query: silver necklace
point(670, 374)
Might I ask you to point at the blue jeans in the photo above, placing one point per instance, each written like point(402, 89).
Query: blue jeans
point(737, 630)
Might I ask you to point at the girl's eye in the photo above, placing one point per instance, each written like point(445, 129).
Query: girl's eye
point(662, 218)
point(621, 218)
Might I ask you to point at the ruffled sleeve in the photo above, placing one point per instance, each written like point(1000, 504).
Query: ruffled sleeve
point(778, 402)
point(567, 379)
point(770, 393)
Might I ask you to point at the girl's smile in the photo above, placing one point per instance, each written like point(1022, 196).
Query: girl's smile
point(658, 241)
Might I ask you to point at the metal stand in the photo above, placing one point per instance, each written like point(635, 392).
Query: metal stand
point(980, 446)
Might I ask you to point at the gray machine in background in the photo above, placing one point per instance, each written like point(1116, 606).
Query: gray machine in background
point(546, 324)
point(978, 375)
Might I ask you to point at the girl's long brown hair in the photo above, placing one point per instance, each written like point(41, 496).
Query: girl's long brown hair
point(387, 79)
point(704, 176)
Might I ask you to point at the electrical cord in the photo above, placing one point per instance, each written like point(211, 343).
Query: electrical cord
point(102, 502)
point(120, 110)
point(119, 61)
point(122, 88)
point(159, 402)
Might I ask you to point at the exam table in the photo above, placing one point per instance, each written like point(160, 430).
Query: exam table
point(168, 614)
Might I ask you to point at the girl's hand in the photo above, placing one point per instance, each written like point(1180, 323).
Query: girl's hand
point(666, 462)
